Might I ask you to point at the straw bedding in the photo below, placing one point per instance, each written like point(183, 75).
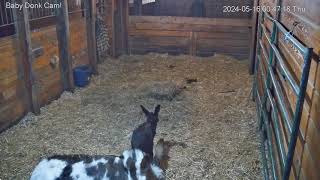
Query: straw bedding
point(205, 108)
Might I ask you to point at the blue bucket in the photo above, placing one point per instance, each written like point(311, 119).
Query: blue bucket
point(81, 75)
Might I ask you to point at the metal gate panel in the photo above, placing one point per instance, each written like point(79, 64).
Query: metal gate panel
point(276, 158)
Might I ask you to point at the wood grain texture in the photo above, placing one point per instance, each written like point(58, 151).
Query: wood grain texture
point(26, 56)
point(187, 35)
point(63, 35)
point(13, 105)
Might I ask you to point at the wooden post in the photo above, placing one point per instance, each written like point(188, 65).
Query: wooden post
point(194, 50)
point(254, 38)
point(90, 9)
point(125, 21)
point(119, 27)
point(113, 28)
point(137, 7)
point(63, 35)
point(156, 10)
point(25, 56)
point(192, 47)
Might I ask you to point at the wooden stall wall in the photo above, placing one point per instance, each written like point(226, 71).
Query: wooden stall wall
point(13, 97)
point(307, 154)
point(188, 35)
point(45, 67)
point(46, 70)
point(78, 40)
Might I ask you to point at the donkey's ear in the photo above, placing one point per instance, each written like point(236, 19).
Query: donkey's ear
point(145, 111)
point(157, 109)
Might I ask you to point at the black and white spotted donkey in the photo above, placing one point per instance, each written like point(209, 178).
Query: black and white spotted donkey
point(131, 165)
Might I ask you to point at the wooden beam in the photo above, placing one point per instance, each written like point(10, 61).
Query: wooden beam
point(253, 45)
point(25, 56)
point(113, 29)
point(63, 34)
point(125, 16)
point(138, 7)
point(90, 9)
point(233, 22)
point(191, 43)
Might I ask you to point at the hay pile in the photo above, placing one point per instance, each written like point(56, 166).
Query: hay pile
point(205, 105)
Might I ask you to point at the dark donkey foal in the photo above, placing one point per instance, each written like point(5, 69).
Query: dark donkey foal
point(143, 135)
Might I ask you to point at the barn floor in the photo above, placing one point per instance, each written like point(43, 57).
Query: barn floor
point(205, 104)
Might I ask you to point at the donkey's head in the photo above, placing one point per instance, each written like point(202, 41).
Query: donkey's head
point(152, 117)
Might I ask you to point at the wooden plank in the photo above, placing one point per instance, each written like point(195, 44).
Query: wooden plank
point(151, 33)
point(317, 80)
point(315, 110)
point(26, 56)
point(13, 90)
point(13, 110)
point(148, 41)
point(224, 43)
point(191, 20)
point(312, 139)
point(309, 169)
point(170, 50)
point(188, 27)
point(222, 35)
point(90, 6)
point(50, 93)
point(239, 56)
point(63, 34)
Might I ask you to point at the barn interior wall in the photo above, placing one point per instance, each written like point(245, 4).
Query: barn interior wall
point(13, 102)
point(189, 35)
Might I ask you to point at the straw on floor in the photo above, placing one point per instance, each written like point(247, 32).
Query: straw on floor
point(205, 102)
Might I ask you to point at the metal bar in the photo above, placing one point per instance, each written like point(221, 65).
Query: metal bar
point(261, 20)
point(300, 46)
point(11, 16)
point(271, 153)
point(279, 139)
point(271, 58)
point(265, 124)
point(280, 96)
point(275, 113)
point(1, 22)
point(270, 147)
point(264, 159)
point(38, 13)
point(41, 9)
point(264, 51)
point(298, 113)
point(263, 153)
point(6, 15)
point(284, 70)
point(4, 25)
